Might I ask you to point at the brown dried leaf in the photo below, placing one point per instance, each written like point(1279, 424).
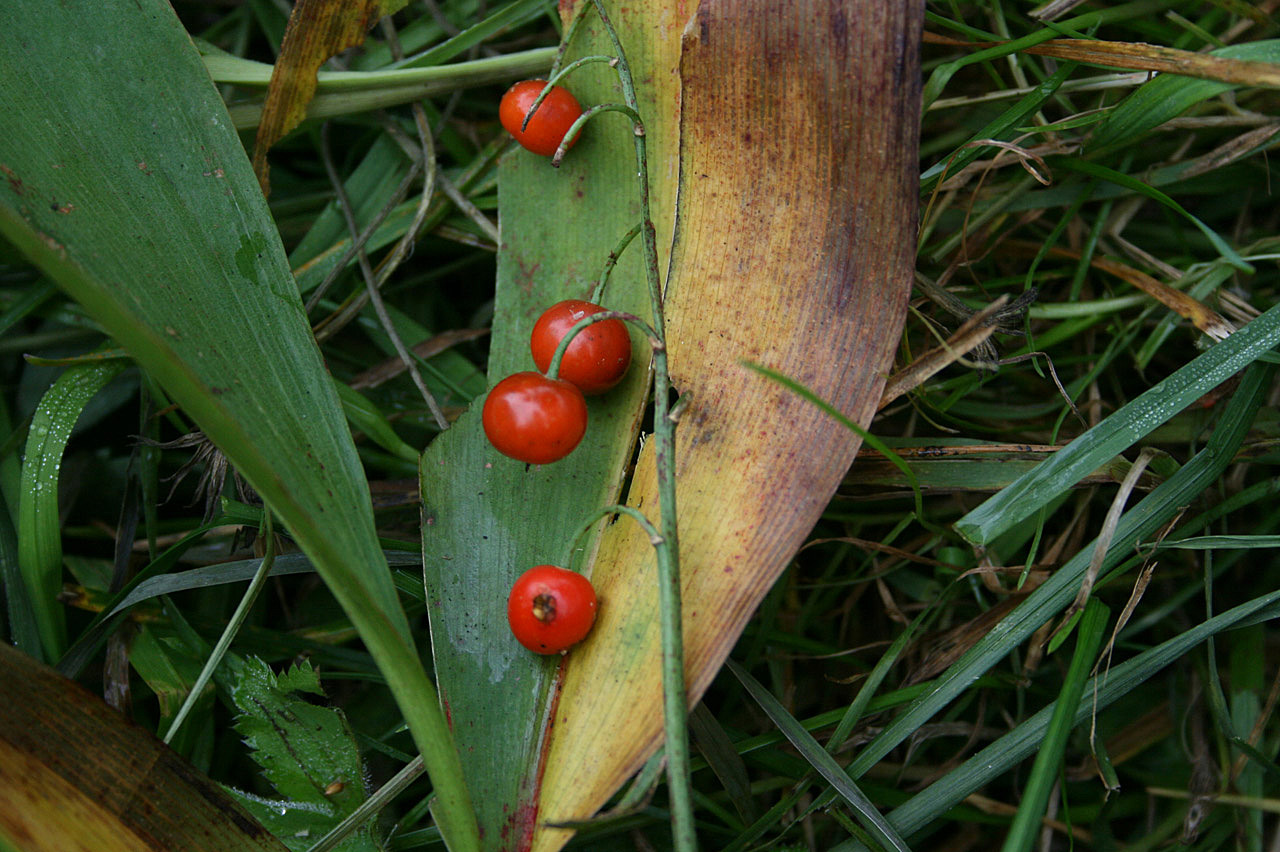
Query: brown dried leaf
point(1137, 56)
point(317, 30)
point(76, 776)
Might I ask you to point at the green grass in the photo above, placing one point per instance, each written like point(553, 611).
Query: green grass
point(909, 644)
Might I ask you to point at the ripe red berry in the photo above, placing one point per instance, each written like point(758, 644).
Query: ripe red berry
point(534, 419)
point(597, 357)
point(555, 115)
point(551, 609)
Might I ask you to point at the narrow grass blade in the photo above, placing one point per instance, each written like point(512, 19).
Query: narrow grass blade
point(1044, 773)
point(1168, 96)
point(1009, 120)
point(717, 750)
point(1223, 542)
point(826, 766)
point(1161, 505)
point(943, 73)
point(1120, 431)
point(229, 632)
point(39, 528)
point(507, 17)
point(1000, 756)
point(1120, 179)
point(24, 632)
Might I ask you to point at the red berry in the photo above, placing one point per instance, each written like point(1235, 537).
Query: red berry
point(534, 419)
point(555, 115)
point(597, 357)
point(551, 609)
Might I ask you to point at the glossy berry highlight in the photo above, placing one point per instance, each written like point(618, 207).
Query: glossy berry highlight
point(550, 609)
point(534, 419)
point(597, 357)
point(552, 120)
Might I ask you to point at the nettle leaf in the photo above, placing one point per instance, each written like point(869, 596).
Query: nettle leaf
point(298, 825)
point(307, 752)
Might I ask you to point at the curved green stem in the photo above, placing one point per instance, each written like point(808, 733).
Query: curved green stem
point(655, 537)
point(572, 133)
point(553, 369)
point(556, 78)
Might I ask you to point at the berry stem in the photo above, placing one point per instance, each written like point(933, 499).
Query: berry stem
point(655, 537)
point(553, 369)
point(612, 261)
point(572, 133)
point(556, 78)
point(667, 549)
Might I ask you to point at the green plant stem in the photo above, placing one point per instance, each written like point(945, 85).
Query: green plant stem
point(675, 699)
point(556, 78)
point(598, 293)
point(229, 632)
point(575, 128)
point(655, 537)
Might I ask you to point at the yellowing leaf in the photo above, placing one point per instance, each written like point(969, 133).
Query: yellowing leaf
point(794, 246)
point(317, 30)
point(76, 776)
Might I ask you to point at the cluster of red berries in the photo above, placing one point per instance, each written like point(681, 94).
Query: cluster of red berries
point(538, 420)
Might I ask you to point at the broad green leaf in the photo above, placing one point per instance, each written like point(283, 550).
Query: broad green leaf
point(160, 231)
point(298, 825)
point(488, 518)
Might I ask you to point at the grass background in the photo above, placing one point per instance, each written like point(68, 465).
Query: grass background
point(877, 646)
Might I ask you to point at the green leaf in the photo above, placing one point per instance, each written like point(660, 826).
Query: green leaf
point(170, 668)
point(161, 232)
point(39, 528)
point(823, 763)
point(1003, 754)
point(1120, 431)
point(1044, 774)
point(303, 749)
point(1164, 503)
point(298, 826)
point(1169, 96)
point(366, 417)
point(1223, 542)
point(1120, 179)
point(488, 518)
